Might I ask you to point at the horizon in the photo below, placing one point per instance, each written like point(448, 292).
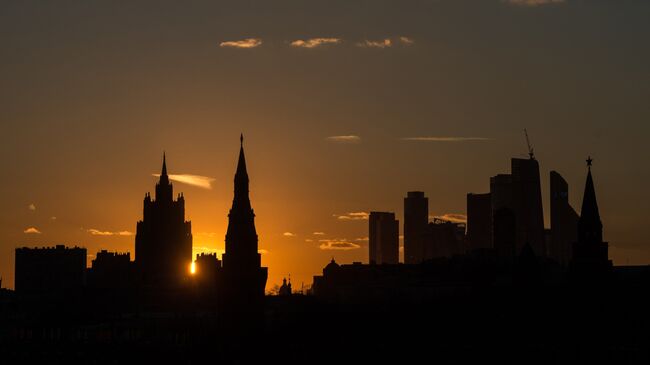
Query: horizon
point(345, 107)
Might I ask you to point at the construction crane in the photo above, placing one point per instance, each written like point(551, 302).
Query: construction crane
point(531, 153)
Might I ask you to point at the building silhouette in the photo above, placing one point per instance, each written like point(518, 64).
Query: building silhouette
point(285, 288)
point(416, 219)
point(479, 221)
point(564, 220)
point(244, 278)
point(58, 271)
point(590, 260)
point(527, 199)
point(383, 238)
point(443, 239)
point(163, 241)
point(207, 272)
point(520, 191)
point(110, 270)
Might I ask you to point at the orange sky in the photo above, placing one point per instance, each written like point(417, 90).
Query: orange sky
point(93, 93)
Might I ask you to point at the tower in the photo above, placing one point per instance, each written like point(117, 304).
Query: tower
point(383, 236)
point(564, 220)
point(590, 259)
point(416, 219)
point(527, 204)
point(163, 241)
point(244, 277)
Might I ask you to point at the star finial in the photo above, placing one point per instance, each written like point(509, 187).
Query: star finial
point(589, 161)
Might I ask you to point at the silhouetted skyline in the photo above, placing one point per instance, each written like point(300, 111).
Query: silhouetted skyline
point(93, 93)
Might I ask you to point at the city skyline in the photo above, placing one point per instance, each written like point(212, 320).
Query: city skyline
point(343, 116)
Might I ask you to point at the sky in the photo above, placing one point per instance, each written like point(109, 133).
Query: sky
point(345, 106)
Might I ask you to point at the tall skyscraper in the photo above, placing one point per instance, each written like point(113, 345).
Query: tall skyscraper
point(384, 238)
point(590, 260)
point(416, 219)
point(479, 221)
point(527, 200)
point(243, 274)
point(501, 192)
point(521, 193)
point(163, 241)
point(564, 220)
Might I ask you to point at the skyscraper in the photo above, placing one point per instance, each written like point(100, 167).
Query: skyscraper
point(590, 260)
point(243, 275)
point(416, 218)
point(163, 241)
point(527, 196)
point(564, 220)
point(521, 193)
point(384, 238)
point(479, 221)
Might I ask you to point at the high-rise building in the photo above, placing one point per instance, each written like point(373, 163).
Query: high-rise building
point(163, 242)
point(384, 238)
point(244, 277)
point(501, 192)
point(590, 259)
point(527, 203)
point(58, 271)
point(479, 221)
point(416, 218)
point(521, 193)
point(564, 220)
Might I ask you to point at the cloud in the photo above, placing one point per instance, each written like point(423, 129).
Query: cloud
point(451, 217)
point(31, 207)
point(289, 234)
point(53, 218)
point(97, 232)
point(406, 40)
point(203, 182)
point(263, 251)
point(533, 3)
point(315, 42)
point(344, 139)
point(385, 43)
point(318, 233)
point(362, 239)
point(337, 244)
point(353, 216)
point(32, 230)
point(244, 43)
point(309, 240)
point(446, 139)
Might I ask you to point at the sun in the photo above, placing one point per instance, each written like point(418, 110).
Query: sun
point(193, 268)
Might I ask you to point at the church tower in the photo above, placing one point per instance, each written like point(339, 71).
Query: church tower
point(590, 259)
point(163, 242)
point(244, 277)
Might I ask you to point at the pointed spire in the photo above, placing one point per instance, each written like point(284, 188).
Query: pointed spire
point(241, 164)
point(164, 178)
point(590, 227)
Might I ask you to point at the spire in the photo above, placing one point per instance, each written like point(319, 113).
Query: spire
point(241, 179)
point(164, 179)
point(590, 228)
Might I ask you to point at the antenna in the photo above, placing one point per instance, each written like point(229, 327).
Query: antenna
point(531, 153)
